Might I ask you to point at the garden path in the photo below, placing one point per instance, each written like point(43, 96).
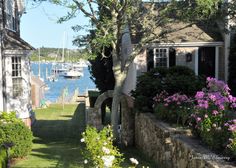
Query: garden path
point(57, 143)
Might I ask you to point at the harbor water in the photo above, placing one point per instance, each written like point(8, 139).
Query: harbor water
point(56, 88)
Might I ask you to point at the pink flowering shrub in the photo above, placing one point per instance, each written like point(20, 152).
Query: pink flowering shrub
point(213, 109)
point(175, 108)
point(211, 114)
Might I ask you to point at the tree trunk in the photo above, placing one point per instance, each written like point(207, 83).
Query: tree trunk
point(120, 78)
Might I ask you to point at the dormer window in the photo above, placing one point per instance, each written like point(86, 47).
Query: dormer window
point(10, 17)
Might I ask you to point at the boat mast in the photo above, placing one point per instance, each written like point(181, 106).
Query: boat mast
point(63, 48)
point(39, 64)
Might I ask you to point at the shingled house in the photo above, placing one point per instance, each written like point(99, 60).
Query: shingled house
point(14, 61)
point(202, 48)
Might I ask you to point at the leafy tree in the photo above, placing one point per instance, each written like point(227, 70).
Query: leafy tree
point(133, 16)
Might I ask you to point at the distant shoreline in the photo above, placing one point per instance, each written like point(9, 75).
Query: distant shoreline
point(43, 61)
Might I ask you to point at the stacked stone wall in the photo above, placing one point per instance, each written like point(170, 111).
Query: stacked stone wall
point(173, 148)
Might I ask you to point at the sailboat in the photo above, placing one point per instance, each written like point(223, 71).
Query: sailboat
point(60, 67)
point(73, 73)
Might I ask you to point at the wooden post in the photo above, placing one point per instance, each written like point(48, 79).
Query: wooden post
point(63, 99)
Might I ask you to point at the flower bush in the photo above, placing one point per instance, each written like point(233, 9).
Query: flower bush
point(211, 114)
point(213, 110)
point(13, 130)
point(174, 109)
point(100, 149)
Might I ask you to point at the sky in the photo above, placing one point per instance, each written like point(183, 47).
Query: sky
point(39, 27)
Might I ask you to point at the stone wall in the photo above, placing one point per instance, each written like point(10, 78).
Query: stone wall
point(93, 116)
point(172, 148)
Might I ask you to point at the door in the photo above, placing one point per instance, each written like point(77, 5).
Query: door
point(172, 57)
point(206, 61)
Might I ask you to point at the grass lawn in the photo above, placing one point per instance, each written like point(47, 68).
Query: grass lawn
point(57, 140)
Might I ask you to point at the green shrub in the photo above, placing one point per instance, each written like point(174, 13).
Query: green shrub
point(3, 157)
point(13, 130)
point(173, 80)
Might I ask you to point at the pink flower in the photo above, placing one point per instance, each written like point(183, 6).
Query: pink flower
point(215, 112)
point(206, 116)
point(199, 95)
point(198, 119)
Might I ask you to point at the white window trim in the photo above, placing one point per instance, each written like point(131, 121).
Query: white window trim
point(16, 77)
point(167, 56)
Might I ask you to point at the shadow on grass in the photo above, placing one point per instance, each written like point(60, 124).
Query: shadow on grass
point(57, 138)
point(60, 129)
point(64, 153)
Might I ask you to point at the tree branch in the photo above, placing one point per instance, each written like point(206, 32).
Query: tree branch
point(86, 13)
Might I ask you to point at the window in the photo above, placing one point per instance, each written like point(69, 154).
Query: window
point(10, 15)
point(161, 57)
point(16, 77)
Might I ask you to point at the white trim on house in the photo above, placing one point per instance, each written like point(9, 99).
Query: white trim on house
point(16, 52)
point(196, 57)
point(186, 44)
point(226, 52)
point(217, 62)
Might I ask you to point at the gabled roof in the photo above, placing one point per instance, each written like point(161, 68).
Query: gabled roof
point(178, 32)
point(12, 41)
point(175, 31)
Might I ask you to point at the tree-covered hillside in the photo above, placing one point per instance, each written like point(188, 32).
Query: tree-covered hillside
point(56, 54)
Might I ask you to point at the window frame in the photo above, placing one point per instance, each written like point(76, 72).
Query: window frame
point(10, 15)
point(16, 63)
point(158, 55)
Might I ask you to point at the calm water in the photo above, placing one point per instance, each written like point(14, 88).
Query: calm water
point(55, 88)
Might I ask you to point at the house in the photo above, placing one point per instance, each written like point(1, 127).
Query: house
point(203, 49)
point(14, 61)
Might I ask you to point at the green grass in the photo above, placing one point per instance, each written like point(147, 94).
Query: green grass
point(56, 123)
point(57, 140)
point(60, 154)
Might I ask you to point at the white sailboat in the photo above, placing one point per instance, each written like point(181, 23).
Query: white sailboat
point(72, 73)
point(61, 67)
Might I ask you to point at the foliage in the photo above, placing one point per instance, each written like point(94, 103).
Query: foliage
point(3, 157)
point(102, 74)
point(212, 115)
point(9, 117)
point(13, 130)
point(100, 149)
point(174, 109)
point(232, 67)
point(173, 80)
point(55, 54)
point(93, 95)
